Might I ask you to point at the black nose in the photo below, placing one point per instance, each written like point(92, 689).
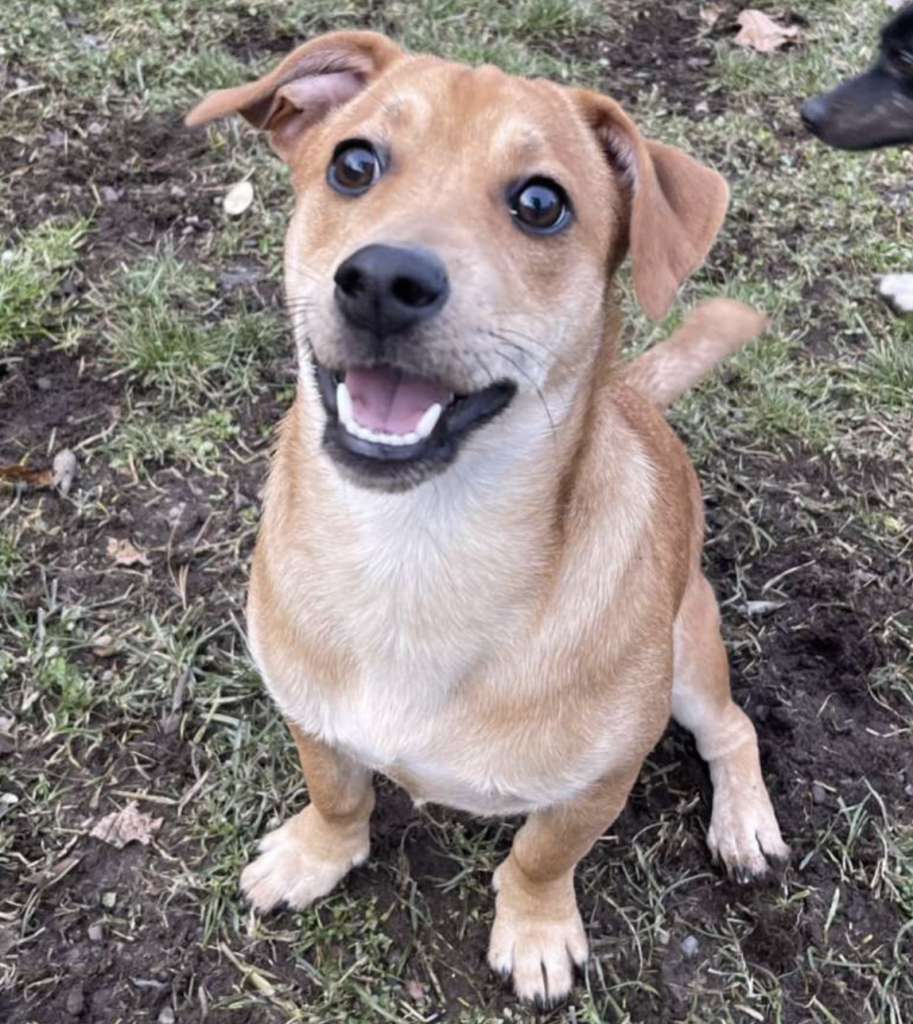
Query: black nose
point(389, 288)
point(813, 112)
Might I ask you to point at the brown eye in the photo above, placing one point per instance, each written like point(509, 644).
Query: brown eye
point(354, 168)
point(540, 206)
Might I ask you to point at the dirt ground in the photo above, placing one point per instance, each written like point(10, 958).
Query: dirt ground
point(130, 682)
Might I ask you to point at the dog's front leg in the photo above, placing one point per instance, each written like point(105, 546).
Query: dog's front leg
point(303, 859)
point(538, 936)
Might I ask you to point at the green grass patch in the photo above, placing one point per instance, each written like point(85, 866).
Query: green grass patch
point(31, 273)
point(168, 330)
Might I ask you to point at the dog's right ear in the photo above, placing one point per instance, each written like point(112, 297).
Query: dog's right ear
point(314, 78)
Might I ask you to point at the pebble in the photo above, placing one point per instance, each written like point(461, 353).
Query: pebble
point(43, 384)
point(689, 945)
point(819, 793)
point(96, 932)
point(166, 1016)
point(109, 194)
point(76, 1001)
point(64, 470)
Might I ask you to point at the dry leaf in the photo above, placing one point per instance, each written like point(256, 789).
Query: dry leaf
point(238, 198)
point(710, 15)
point(20, 474)
point(126, 826)
point(124, 553)
point(760, 33)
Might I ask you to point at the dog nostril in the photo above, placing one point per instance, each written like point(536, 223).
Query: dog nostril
point(350, 280)
point(413, 293)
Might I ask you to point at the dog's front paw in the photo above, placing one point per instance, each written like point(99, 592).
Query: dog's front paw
point(536, 941)
point(897, 291)
point(301, 861)
point(743, 832)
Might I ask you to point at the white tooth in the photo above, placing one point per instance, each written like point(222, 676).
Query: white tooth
point(344, 404)
point(428, 421)
point(413, 437)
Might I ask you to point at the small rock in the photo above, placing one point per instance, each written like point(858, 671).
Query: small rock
point(238, 198)
point(76, 1001)
point(166, 1016)
point(819, 793)
point(96, 128)
point(176, 192)
point(43, 384)
point(64, 470)
point(416, 990)
point(757, 608)
point(690, 945)
point(57, 138)
point(110, 195)
point(109, 900)
point(96, 932)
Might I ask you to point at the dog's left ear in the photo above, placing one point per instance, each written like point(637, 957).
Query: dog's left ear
point(311, 81)
point(676, 204)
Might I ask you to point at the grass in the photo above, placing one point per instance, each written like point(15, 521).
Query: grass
point(167, 380)
point(32, 270)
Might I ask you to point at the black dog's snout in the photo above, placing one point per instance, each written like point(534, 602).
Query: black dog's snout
point(389, 288)
point(813, 113)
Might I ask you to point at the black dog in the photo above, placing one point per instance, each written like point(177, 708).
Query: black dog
point(873, 109)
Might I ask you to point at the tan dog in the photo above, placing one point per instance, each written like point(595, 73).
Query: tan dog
point(478, 570)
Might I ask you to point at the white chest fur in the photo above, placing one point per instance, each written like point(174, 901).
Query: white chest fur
point(436, 594)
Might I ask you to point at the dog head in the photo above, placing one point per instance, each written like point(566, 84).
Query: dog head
point(874, 109)
point(454, 233)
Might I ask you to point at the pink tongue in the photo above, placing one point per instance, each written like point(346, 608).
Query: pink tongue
point(391, 401)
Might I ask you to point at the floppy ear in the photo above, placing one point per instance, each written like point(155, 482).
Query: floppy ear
point(677, 204)
point(314, 78)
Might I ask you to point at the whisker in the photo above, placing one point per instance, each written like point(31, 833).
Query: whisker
point(520, 370)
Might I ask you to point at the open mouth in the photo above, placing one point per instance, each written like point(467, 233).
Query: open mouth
point(381, 419)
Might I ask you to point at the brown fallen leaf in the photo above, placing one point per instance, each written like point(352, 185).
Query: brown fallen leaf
point(761, 33)
point(124, 553)
point(126, 826)
point(20, 474)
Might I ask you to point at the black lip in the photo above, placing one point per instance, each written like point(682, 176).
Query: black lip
point(398, 467)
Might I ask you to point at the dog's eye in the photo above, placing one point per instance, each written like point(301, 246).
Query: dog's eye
point(540, 206)
point(354, 168)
